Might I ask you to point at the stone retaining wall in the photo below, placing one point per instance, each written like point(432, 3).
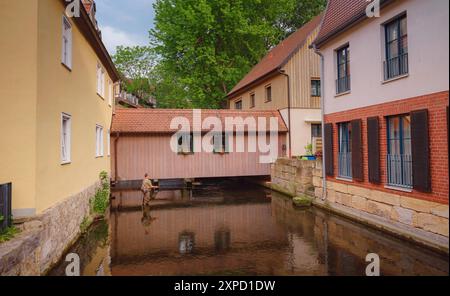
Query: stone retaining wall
point(425, 219)
point(293, 177)
point(429, 216)
point(45, 238)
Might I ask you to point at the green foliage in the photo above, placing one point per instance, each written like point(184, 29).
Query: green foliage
point(100, 202)
point(8, 234)
point(309, 149)
point(136, 65)
point(205, 47)
point(302, 201)
point(84, 226)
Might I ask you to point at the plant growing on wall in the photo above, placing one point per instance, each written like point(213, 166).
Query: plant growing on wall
point(100, 202)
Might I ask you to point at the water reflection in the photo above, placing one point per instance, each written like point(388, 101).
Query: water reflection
point(247, 230)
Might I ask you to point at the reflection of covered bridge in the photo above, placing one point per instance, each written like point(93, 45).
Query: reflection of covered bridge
point(141, 143)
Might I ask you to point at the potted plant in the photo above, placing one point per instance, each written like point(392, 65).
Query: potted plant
point(309, 153)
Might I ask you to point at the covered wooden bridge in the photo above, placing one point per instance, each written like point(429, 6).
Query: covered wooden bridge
point(141, 143)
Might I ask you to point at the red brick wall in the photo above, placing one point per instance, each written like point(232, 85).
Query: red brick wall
point(436, 104)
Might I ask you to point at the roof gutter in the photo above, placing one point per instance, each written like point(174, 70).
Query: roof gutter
point(90, 33)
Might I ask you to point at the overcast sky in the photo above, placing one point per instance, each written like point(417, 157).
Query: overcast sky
point(124, 22)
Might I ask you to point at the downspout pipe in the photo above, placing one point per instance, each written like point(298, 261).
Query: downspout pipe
point(322, 107)
point(283, 72)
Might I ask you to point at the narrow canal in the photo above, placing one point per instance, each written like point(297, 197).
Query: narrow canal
point(237, 229)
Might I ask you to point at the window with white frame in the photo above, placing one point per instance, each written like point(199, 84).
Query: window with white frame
point(99, 141)
point(66, 125)
point(108, 142)
point(100, 81)
point(66, 57)
point(111, 93)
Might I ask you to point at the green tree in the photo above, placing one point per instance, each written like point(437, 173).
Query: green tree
point(135, 65)
point(205, 47)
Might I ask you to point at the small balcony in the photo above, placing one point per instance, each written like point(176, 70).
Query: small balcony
point(343, 85)
point(399, 171)
point(345, 165)
point(396, 67)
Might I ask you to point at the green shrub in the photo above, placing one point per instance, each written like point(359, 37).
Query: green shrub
point(8, 234)
point(100, 202)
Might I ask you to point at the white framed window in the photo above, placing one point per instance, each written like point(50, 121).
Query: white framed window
point(66, 56)
point(66, 126)
point(99, 141)
point(111, 93)
point(108, 142)
point(100, 81)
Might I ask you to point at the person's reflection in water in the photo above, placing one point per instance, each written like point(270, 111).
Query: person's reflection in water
point(147, 218)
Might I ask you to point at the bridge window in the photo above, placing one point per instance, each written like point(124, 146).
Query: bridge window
point(186, 144)
point(221, 143)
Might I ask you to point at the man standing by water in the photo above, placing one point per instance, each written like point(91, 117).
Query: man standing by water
point(147, 189)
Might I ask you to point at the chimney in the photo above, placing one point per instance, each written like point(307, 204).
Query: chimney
point(91, 9)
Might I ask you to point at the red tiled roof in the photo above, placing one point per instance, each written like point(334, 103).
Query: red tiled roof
point(158, 120)
point(279, 55)
point(87, 5)
point(340, 14)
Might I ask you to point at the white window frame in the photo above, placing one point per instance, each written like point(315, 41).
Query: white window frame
point(66, 141)
point(99, 152)
point(100, 80)
point(111, 93)
point(66, 50)
point(108, 142)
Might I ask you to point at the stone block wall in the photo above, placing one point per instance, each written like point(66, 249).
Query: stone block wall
point(430, 216)
point(293, 177)
point(44, 239)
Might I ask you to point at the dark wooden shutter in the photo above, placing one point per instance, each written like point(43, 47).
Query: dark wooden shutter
point(357, 151)
point(420, 151)
point(329, 168)
point(373, 149)
point(448, 142)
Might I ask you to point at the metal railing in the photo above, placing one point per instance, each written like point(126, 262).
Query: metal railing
point(129, 98)
point(5, 206)
point(399, 170)
point(396, 66)
point(345, 164)
point(342, 84)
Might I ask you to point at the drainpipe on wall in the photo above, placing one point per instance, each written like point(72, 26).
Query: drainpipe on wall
point(322, 106)
point(283, 72)
point(115, 157)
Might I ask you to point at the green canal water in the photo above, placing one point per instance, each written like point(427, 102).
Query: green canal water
point(237, 229)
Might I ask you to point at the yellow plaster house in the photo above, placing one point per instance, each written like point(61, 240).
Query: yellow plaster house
point(56, 103)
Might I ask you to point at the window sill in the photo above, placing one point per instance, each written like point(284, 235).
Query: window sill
point(66, 163)
point(185, 153)
point(395, 78)
point(346, 179)
point(67, 67)
point(402, 189)
point(99, 156)
point(342, 94)
point(101, 97)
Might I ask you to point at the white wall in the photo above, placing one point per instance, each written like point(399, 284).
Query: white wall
point(301, 120)
point(428, 39)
